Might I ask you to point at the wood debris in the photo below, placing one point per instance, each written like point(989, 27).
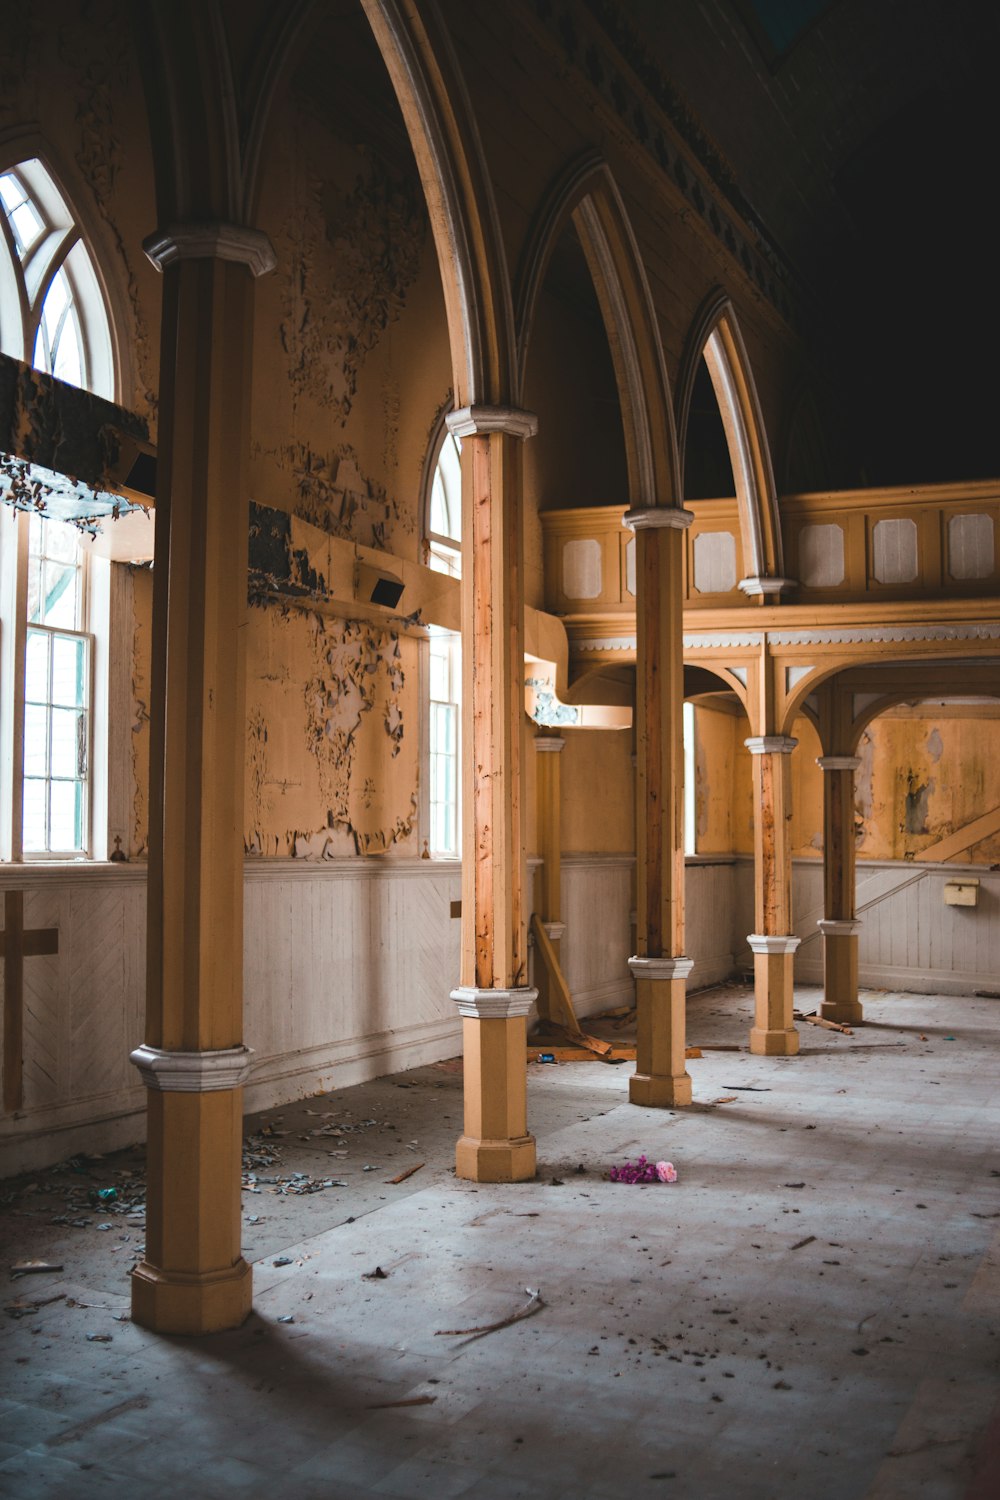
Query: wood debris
point(395, 1181)
point(534, 1304)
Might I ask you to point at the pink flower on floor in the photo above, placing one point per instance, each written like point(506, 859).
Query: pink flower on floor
point(666, 1171)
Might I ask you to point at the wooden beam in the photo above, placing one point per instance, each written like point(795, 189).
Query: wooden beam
point(962, 839)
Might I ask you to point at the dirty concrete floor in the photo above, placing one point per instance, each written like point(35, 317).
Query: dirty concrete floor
point(811, 1309)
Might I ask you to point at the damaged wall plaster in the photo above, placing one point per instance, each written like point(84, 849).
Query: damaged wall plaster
point(332, 755)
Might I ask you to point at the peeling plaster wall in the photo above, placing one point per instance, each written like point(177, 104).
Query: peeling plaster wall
point(922, 779)
point(715, 754)
point(332, 753)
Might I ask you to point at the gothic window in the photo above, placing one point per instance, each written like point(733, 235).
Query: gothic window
point(52, 312)
point(444, 510)
point(443, 541)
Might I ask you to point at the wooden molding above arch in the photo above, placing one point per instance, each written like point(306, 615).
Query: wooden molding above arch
point(715, 335)
point(440, 122)
point(586, 195)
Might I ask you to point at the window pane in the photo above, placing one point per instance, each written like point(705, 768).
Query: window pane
point(34, 816)
point(60, 595)
point(66, 742)
point(68, 659)
point(36, 667)
point(36, 738)
point(66, 833)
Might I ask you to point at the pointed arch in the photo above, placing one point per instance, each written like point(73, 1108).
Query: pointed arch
point(586, 195)
point(715, 336)
point(441, 125)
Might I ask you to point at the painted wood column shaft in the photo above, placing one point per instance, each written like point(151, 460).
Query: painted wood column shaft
point(194, 1278)
point(839, 925)
point(773, 943)
point(548, 879)
point(660, 968)
point(493, 996)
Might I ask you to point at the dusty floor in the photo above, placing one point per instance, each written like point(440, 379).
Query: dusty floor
point(813, 1316)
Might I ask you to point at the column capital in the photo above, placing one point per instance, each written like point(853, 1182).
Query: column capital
point(549, 744)
point(762, 588)
point(469, 420)
point(838, 762)
point(839, 926)
point(642, 517)
point(493, 1005)
point(660, 968)
point(771, 744)
point(555, 931)
point(192, 1072)
point(765, 942)
point(211, 241)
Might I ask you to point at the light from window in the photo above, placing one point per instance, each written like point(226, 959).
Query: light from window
point(52, 312)
point(56, 694)
point(444, 758)
point(690, 788)
point(444, 521)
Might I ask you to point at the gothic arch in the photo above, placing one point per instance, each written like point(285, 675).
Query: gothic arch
point(586, 194)
point(715, 334)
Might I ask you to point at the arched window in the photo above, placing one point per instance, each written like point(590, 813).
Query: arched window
point(52, 312)
point(444, 509)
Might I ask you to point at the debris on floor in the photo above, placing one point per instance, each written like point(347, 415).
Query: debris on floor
point(534, 1304)
point(643, 1171)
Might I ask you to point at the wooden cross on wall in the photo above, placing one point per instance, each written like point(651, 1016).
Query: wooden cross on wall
point(15, 946)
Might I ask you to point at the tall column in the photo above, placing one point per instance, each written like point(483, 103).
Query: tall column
point(548, 880)
point(773, 944)
point(660, 968)
point(839, 925)
point(194, 1278)
point(494, 997)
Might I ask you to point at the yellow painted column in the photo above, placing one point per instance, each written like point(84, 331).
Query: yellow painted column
point(773, 944)
point(193, 1062)
point(660, 968)
point(548, 879)
point(493, 997)
point(839, 925)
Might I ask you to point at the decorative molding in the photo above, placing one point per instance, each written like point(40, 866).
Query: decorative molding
point(758, 588)
point(493, 1005)
point(985, 630)
point(555, 931)
point(549, 744)
point(707, 639)
point(838, 762)
point(761, 942)
point(642, 517)
point(471, 420)
point(211, 241)
point(606, 643)
point(771, 744)
point(192, 1072)
point(660, 968)
point(839, 926)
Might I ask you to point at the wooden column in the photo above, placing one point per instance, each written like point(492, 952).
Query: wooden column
point(548, 880)
point(773, 944)
point(660, 968)
point(194, 1278)
point(493, 996)
point(839, 925)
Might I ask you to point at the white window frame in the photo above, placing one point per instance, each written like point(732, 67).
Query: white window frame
point(27, 274)
point(107, 627)
point(443, 550)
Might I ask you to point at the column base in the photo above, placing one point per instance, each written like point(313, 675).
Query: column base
point(192, 1303)
point(780, 1043)
point(846, 1012)
point(495, 1161)
point(657, 1092)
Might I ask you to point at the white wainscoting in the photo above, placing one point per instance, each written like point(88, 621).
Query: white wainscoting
point(908, 940)
point(348, 967)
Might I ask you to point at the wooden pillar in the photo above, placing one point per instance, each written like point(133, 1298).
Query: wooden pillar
point(548, 880)
point(773, 944)
point(194, 1278)
point(660, 968)
point(839, 925)
point(493, 997)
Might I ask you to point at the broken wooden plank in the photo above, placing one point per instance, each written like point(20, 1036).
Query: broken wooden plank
point(815, 1020)
point(395, 1181)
